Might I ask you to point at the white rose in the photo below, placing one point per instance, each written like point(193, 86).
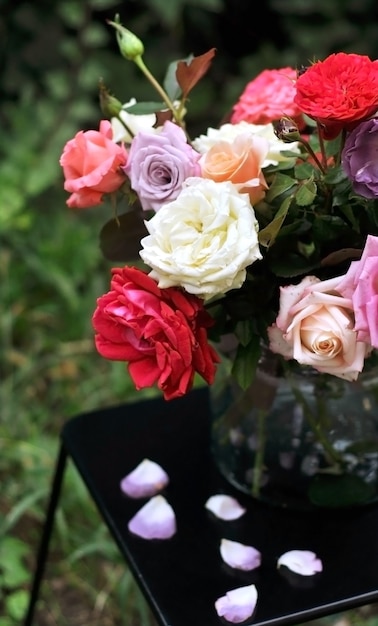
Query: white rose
point(204, 240)
point(228, 132)
point(135, 123)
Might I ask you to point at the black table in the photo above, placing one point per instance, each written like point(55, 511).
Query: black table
point(182, 577)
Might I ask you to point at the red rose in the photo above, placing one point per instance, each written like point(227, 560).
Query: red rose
point(161, 333)
point(339, 92)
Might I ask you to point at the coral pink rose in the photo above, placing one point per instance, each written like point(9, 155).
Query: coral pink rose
point(161, 333)
point(239, 162)
point(91, 164)
point(315, 325)
point(268, 97)
point(360, 284)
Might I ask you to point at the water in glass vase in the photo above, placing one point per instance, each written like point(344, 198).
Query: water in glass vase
point(297, 438)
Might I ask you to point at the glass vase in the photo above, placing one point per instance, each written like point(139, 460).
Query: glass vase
point(297, 438)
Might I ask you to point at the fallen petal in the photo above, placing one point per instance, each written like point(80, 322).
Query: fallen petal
point(146, 480)
point(155, 520)
point(239, 556)
point(302, 562)
point(238, 604)
point(225, 507)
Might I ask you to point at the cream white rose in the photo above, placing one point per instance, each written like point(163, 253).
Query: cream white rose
point(204, 240)
point(135, 123)
point(315, 325)
point(228, 132)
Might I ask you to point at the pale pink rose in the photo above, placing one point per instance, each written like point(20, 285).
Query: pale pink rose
point(91, 163)
point(360, 284)
point(239, 162)
point(268, 97)
point(315, 326)
point(159, 164)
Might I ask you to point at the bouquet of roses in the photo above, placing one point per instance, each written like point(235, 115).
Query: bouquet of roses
point(265, 228)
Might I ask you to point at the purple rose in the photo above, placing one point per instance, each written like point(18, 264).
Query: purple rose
point(158, 164)
point(359, 158)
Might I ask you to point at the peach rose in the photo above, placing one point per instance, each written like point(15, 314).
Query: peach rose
point(315, 325)
point(91, 163)
point(239, 162)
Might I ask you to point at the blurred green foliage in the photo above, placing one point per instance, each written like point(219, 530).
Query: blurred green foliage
point(52, 56)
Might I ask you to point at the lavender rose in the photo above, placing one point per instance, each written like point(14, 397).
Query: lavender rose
point(158, 165)
point(359, 158)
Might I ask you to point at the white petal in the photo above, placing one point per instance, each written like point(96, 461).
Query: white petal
point(146, 480)
point(225, 507)
point(238, 604)
point(302, 562)
point(155, 520)
point(239, 556)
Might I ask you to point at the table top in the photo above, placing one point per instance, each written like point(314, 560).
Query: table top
point(182, 577)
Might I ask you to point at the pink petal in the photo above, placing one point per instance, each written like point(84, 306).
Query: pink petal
point(238, 604)
point(302, 562)
point(239, 556)
point(155, 520)
point(225, 507)
point(146, 480)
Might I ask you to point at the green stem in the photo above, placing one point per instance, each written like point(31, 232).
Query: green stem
point(142, 66)
point(312, 153)
point(316, 425)
point(260, 453)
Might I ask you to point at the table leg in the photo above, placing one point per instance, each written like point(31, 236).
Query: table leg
point(46, 534)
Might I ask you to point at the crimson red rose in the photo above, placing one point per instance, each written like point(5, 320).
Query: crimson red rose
point(161, 333)
point(339, 92)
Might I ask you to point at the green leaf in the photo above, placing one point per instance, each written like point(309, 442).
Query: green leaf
point(244, 331)
point(268, 234)
point(170, 83)
point(245, 363)
point(335, 491)
point(280, 185)
point(146, 108)
point(335, 175)
point(303, 171)
point(362, 447)
point(306, 193)
point(120, 238)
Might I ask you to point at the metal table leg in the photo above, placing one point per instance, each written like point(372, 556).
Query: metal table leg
point(46, 534)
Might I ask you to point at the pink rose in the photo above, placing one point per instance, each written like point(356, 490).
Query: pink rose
point(360, 284)
point(161, 333)
point(268, 97)
point(240, 162)
point(158, 165)
point(315, 325)
point(91, 164)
